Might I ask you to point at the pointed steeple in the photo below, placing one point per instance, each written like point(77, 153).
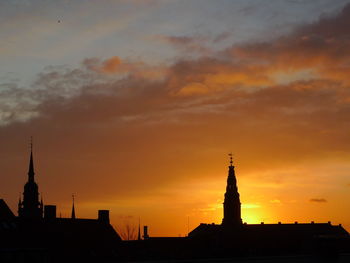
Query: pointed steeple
point(31, 163)
point(30, 206)
point(73, 209)
point(232, 204)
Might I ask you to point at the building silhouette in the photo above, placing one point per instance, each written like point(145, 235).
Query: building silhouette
point(30, 207)
point(232, 203)
point(308, 242)
point(233, 236)
point(38, 235)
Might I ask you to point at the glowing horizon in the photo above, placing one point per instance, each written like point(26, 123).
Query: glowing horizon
point(134, 106)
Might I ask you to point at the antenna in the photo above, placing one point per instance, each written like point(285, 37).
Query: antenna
point(139, 233)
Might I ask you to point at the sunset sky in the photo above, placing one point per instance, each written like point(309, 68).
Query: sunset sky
point(134, 106)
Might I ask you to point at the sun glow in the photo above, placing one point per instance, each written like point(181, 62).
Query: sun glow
point(250, 217)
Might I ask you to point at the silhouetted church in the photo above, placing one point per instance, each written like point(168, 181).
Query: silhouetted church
point(263, 238)
point(232, 203)
point(38, 235)
point(233, 238)
point(30, 207)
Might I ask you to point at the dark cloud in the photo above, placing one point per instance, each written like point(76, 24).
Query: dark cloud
point(318, 200)
point(113, 126)
point(321, 46)
point(221, 37)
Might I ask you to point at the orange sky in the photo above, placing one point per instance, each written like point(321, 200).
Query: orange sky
point(151, 141)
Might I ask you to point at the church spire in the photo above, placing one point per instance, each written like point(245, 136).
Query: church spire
point(30, 207)
point(73, 209)
point(31, 163)
point(232, 204)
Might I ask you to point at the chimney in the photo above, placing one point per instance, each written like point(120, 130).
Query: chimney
point(49, 212)
point(103, 216)
point(145, 232)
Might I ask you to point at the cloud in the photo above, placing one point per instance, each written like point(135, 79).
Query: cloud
point(190, 44)
point(115, 125)
point(318, 200)
point(321, 46)
point(275, 201)
point(117, 66)
point(221, 37)
point(113, 65)
point(250, 206)
point(125, 217)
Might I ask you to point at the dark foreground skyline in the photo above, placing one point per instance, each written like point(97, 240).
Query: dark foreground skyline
point(38, 234)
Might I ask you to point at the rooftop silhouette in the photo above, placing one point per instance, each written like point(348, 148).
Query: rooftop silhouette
point(41, 233)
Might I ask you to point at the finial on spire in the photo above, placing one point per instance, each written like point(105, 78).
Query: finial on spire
point(231, 156)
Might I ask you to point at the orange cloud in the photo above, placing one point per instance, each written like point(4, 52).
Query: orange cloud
point(120, 130)
point(112, 65)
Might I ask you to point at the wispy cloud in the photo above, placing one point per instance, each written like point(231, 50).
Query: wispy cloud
point(318, 200)
point(250, 206)
point(121, 118)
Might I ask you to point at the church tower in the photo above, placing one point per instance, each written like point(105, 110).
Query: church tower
point(232, 204)
point(30, 207)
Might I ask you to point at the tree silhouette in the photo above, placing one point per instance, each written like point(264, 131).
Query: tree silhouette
point(128, 231)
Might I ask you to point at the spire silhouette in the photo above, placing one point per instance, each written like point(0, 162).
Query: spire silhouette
point(232, 204)
point(73, 209)
point(30, 207)
point(31, 172)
